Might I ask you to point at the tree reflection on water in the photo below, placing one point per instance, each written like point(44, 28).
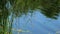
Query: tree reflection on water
point(17, 8)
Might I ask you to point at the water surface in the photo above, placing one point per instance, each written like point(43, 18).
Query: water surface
point(35, 23)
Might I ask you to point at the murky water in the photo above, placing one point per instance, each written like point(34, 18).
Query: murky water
point(35, 23)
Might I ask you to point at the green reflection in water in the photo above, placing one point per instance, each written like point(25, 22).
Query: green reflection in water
point(18, 7)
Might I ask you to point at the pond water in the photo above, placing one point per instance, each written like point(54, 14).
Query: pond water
point(35, 23)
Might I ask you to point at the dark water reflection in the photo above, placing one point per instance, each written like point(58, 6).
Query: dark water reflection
point(36, 23)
